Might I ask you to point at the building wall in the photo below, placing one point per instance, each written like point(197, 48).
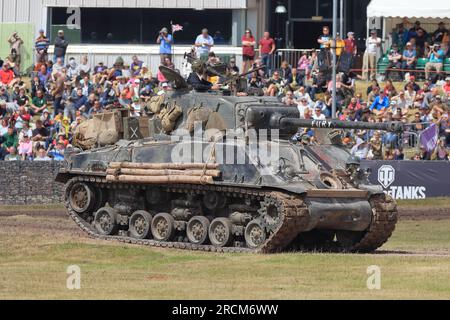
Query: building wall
point(26, 182)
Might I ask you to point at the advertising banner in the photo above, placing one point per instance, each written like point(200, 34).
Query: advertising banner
point(411, 179)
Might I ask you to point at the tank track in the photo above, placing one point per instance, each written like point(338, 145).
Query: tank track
point(294, 216)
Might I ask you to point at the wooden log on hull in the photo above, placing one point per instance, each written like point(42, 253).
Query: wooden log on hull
point(161, 179)
point(158, 166)
point(163, 172)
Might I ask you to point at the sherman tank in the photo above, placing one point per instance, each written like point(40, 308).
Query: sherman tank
point(215, 172)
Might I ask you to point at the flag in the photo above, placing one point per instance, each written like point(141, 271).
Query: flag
point(176, 27)
point(429, 137)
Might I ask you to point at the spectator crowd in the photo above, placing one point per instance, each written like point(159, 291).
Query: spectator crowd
point(39, 114)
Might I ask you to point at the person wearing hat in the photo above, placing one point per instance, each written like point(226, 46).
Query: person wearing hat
point(446, 86)
point(395, 60)
point(373, 45)
point(136, 66)
point(165, 41)
point(61, 45)
point(41, 46)
point(350, 44)
point(197, 78)
point(204, 43)
point(436, 60)
point(409, 57)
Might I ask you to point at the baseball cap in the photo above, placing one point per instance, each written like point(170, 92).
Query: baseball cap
point(204, 30)
point(41, 30)
point(60, 31)
point(351, 33)
point(164, 85)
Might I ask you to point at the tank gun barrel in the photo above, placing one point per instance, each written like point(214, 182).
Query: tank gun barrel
point(287, 123)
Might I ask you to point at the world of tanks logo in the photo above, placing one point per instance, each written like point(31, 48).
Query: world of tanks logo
point(386, 175)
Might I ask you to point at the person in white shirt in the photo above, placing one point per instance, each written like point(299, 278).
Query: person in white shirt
point(300, 94)
point(204, 43)
point(318, 115)
point(373, 45)
point(302, 107)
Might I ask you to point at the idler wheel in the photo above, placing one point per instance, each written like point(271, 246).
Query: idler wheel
point(163, 227)
point(81, 198)
point(106, 221)
point(255, 234)
point(140, 224)
point(197, 229)
point(220, 232)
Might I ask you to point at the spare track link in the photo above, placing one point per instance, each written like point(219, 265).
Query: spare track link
point(293, 216)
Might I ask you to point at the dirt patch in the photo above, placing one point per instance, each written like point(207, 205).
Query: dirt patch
point(424, 213)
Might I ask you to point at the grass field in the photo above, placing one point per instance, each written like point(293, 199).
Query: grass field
point(36, 251)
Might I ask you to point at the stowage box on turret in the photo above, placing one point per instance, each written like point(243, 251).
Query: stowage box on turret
point(220, 173)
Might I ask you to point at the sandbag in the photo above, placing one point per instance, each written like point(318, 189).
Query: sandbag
point(169, 117)
point(155, 103)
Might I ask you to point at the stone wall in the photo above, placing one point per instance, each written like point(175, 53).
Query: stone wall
point(26, 182)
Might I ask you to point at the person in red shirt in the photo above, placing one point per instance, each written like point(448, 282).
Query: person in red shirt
point(6, 75)
point(248, 50)
point(266, 49)
point(350, 44)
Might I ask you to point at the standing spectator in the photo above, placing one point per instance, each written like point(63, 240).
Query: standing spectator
point(373, 44)
point(57, 93)
point(61, 45)
point(438, 35)
point(266, 49)
point(413, 31)
point(436, 61)
point(204, 43)
point(400, 35)
point(165, 41)
point(248, 50)
point(325, 39)
point(350, 44)
point(422, 41)
point(41, 45)
point(339, 45)
point(15, 46)
point(136, 66)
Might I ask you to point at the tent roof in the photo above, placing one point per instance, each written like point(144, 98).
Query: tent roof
point(409, 8)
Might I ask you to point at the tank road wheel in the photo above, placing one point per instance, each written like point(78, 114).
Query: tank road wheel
point(255, 234)
point(140, 224)
point(81, 198)
point(106, 221)
point(197, 230)
point(220, 232)
point(163, 227)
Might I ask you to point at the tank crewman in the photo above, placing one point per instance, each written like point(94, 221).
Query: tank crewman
point(197, 78)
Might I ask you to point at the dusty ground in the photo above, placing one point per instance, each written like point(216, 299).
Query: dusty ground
point(37, 246)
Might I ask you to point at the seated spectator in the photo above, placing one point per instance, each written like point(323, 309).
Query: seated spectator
point(12, 156)
point(374, 84)
point(41, 155)
point(389, 89)
point(6, 75)
point(436, 56)
point(25, 147)
point(303, 65)
point(410, 96)
point(10, 140)
point(274, 85)
point(136, 66)
point(445, 86)
point(77, 103)
point(409, 57)
point(395, 60)
point(4, 95)
point(354, 104)
point(300, 94)
point(303, 107)
point(97, 108)
point(145, 72)
point(289, 99)
point(84, 66)
point(73, 70)
point(318, 115)
point(38, 103)
point(40, 133)
point(43, 75)
point(380, 104)
point(285, 70)
point(412, 81)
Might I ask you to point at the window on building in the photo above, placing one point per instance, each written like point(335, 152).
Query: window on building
point(310, 8)
point(141, 26)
